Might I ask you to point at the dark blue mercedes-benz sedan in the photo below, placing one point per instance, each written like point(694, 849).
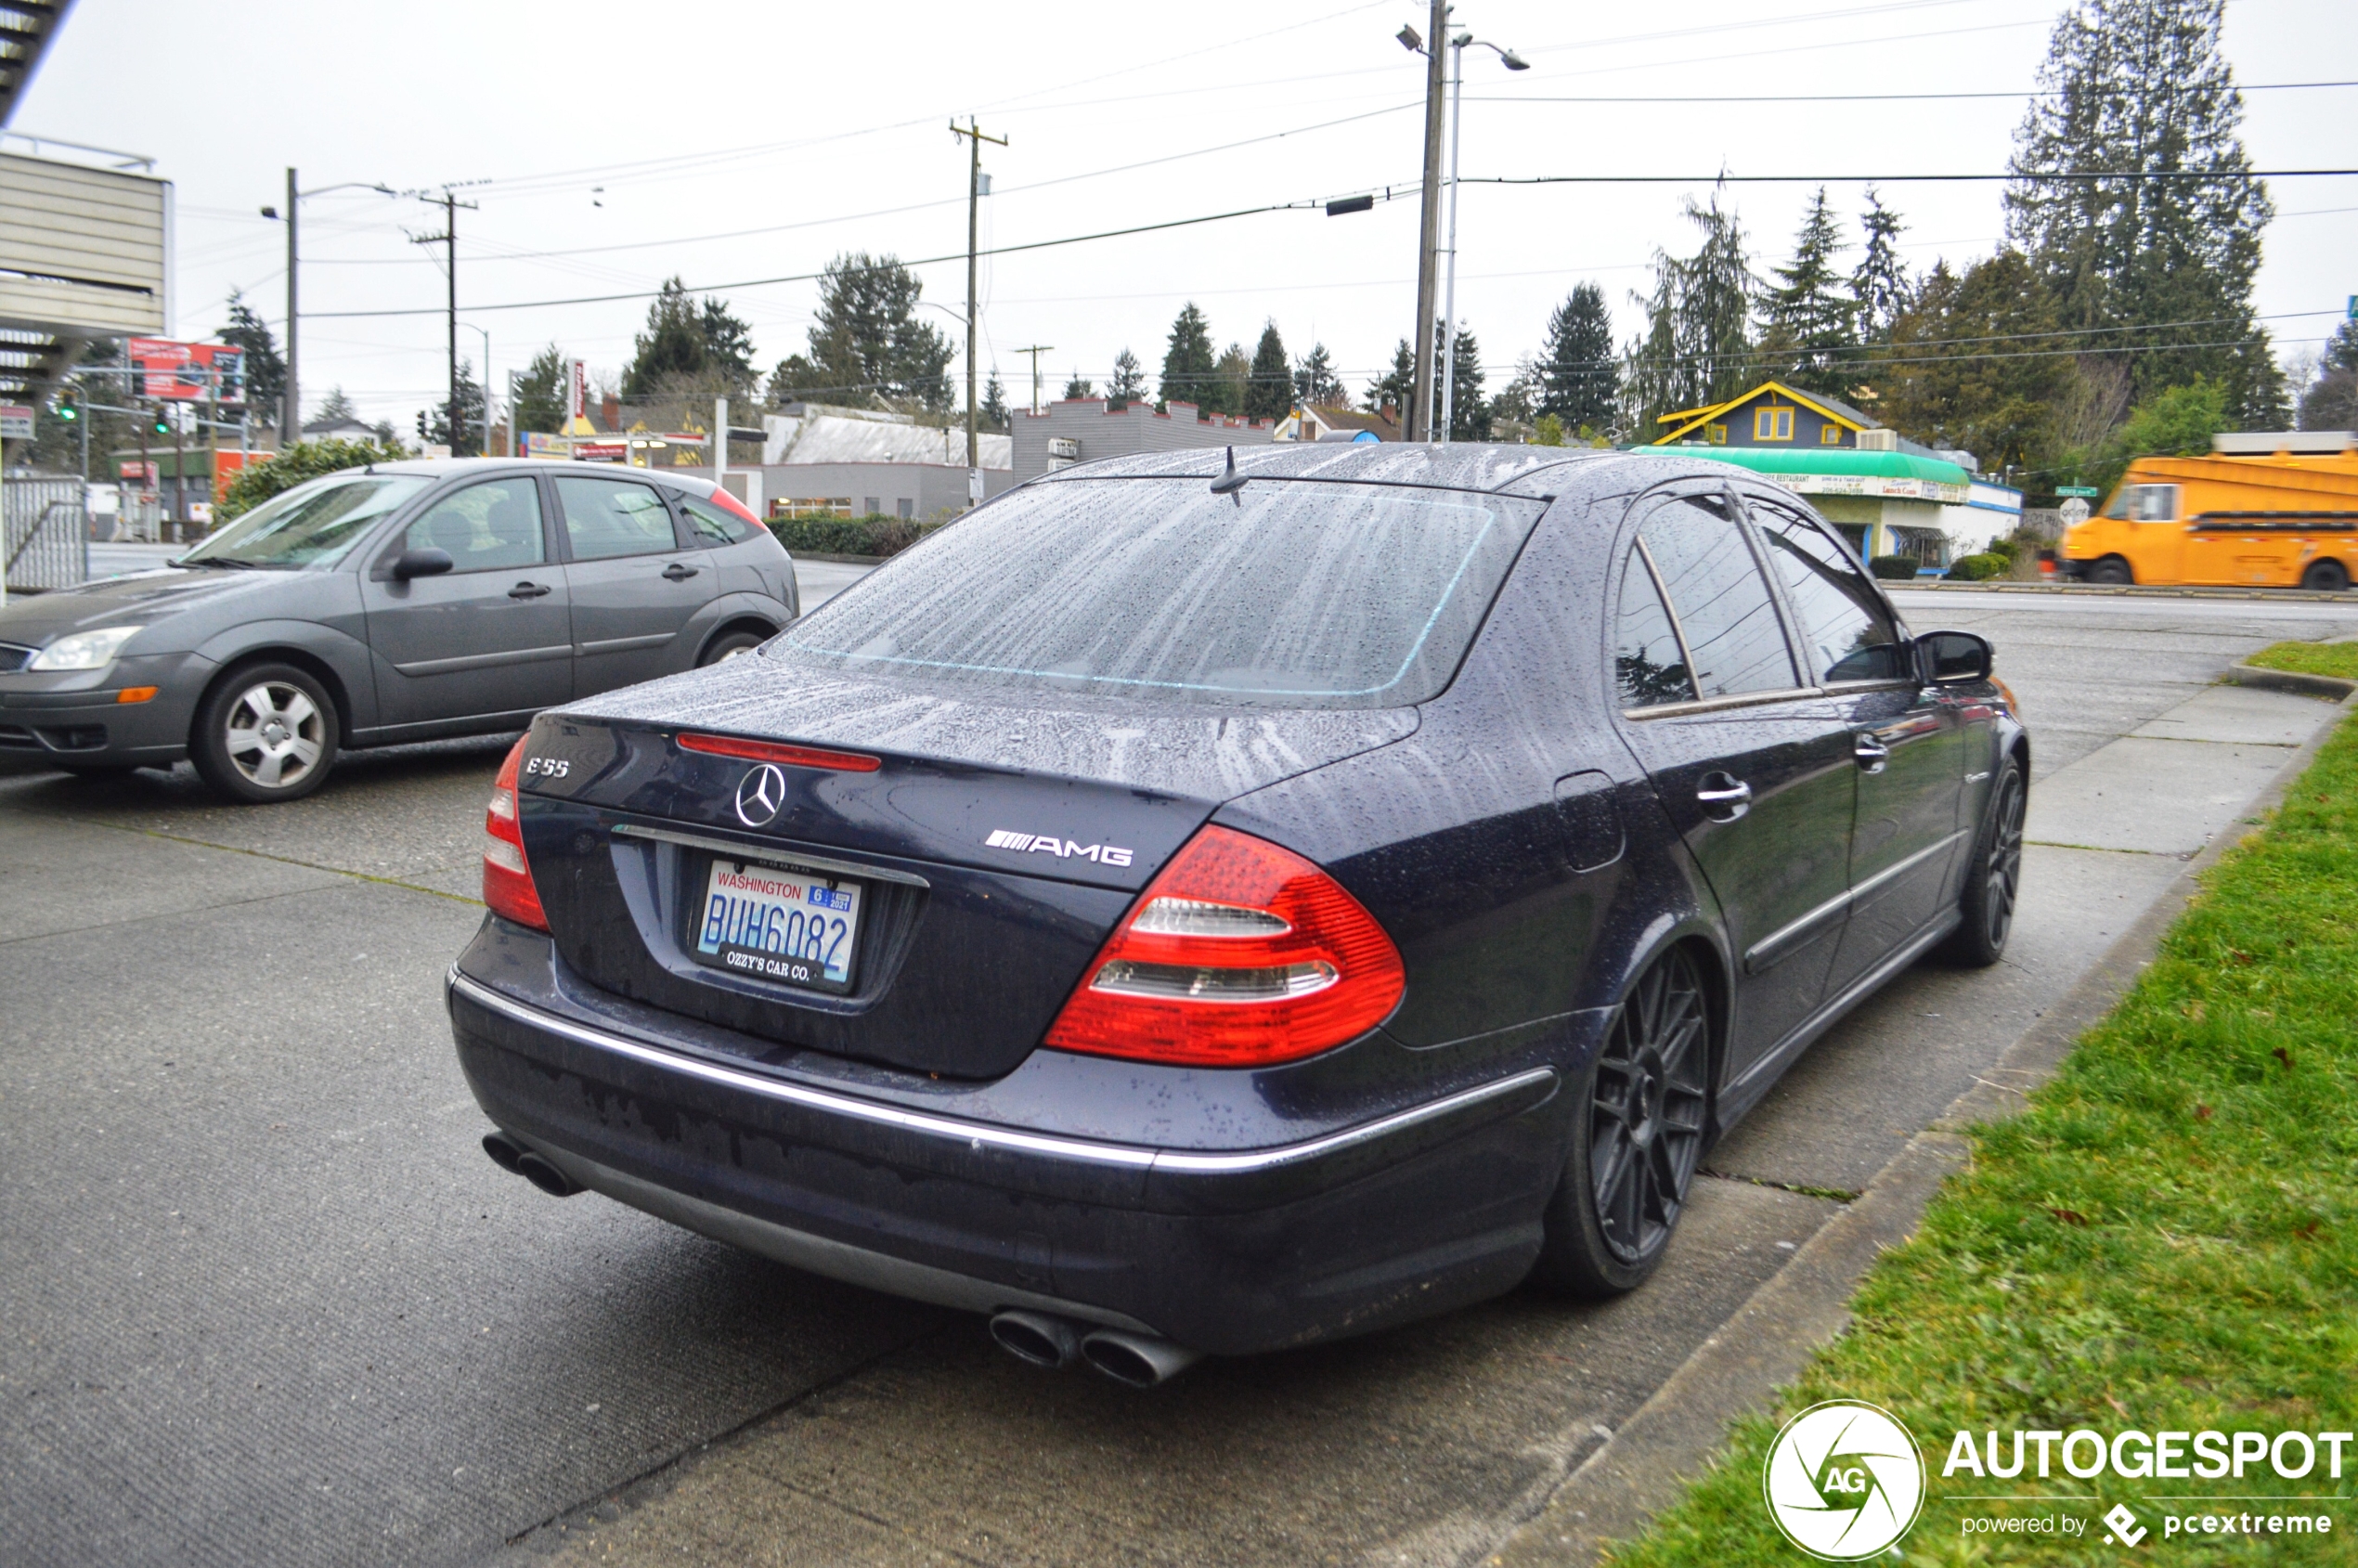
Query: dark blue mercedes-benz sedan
point(1189, 907)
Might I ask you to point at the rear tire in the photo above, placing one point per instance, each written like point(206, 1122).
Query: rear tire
point(1993, 879)
point(2112, 570)
point(265, 733)
point(2325, 577)
point(1636, 1140)
point(730, 646)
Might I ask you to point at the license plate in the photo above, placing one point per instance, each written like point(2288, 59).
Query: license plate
point(779, 923)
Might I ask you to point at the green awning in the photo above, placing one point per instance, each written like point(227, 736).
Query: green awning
point(1834, 462)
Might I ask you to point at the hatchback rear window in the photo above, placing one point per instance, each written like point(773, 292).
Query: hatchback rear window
point(1287, 594)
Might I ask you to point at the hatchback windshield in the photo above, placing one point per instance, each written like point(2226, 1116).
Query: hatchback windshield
point(312, 524)
point(1288, 594)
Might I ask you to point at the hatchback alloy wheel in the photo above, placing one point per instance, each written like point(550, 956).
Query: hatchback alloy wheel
point(274, 734)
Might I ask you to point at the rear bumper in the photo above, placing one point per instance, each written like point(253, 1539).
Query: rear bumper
point(1231, 1252)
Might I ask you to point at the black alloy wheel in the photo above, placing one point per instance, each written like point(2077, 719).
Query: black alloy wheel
point(1995, 879)
point(2325, 577)
point(2112, 570)
point(1638, 1139)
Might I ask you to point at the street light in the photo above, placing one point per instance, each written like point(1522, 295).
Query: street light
point(1448, 345)
point(290, 410)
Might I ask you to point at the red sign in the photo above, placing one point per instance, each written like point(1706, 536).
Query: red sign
point(224, 468)
point(137, 474)
point(190, 373)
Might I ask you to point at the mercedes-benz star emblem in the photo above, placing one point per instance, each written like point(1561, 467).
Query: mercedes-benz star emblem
point(759, 795)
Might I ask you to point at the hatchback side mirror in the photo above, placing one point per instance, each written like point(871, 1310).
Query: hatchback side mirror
point(1953, 658)
point(426, 562)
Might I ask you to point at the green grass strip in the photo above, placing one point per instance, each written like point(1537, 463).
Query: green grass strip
point(2165, 1239)
point(2310, 658)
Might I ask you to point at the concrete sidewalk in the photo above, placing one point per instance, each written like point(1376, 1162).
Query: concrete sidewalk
point(1454, 1440)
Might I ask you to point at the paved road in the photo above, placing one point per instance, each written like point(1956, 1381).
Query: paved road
point(263, 1301)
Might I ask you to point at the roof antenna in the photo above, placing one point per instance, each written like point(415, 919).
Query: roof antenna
point(1230, 483)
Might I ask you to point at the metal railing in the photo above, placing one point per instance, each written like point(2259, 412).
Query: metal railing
point(47, 537)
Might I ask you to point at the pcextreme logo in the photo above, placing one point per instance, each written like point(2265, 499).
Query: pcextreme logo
point(1844, 1480)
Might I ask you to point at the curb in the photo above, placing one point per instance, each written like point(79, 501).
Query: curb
point(1672, 1438)
point(839, 560)
point(2277, 595)
point(2293, 681)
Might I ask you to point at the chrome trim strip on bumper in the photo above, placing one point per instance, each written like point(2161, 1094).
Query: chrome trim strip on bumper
point(739, 847)
point(981, 1135)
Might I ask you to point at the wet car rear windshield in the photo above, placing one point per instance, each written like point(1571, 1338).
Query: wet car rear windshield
point(312, 524)
point(1292, 593)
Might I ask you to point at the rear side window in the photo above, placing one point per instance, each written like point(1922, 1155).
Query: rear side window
point(604, 517)
point(1648, 665)
point(1288, 594)
point(484, 528)
point(1734, 640)
point(710, 525)
point(1845, 632)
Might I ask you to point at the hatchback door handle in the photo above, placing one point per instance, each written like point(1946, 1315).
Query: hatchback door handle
point(1872, 753)
point(678, 573)
point(528, 590)
point(1723, 796)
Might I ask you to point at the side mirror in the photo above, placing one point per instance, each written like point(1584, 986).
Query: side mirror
point(1953, 658)
point(426, 562)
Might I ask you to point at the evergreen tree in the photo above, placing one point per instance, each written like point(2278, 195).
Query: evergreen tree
point(672, 344)
point(1879, 287)
point(541, 393)
point(1469, 410)
point(1955, 373)
point(1809, 334)
point(434, 423)
point(1314, 381)
point(2139, 89)
point(1579, 378)
point(727, 346)
point(1232, 378)
point(1129, 383)
point(1269, 395)
point(867, 345)
point(1697, 346)
point(1190, 370)
point(1393, 387)
point(2331, 401)
point(1079, 388)
point(266, 369)
point(338, 405)
point(992, 413)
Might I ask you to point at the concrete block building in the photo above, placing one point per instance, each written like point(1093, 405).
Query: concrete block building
point(1085, 429)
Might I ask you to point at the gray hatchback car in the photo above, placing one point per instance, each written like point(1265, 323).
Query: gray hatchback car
point(405, 602)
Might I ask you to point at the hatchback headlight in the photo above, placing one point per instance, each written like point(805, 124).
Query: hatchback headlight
point(85, 650)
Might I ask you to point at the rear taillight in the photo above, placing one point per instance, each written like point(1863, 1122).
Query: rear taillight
point(507, 877)
point(1239, 954)
point(726, 502)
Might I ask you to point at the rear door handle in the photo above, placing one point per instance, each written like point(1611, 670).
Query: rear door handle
point(1723, 796)
point(1872, 754)
point(678, 573)
point(528, 590)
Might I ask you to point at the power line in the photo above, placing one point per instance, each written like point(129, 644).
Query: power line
point(1724, 179)
point(1850, 98)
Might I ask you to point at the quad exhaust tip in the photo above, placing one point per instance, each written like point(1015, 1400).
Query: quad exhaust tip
point(1045, 1339)
point(514, 1155)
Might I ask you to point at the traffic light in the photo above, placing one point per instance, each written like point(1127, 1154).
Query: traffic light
point(163, 423)
point(69, 410)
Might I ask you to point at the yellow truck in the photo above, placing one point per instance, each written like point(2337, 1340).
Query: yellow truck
point(2268, 509)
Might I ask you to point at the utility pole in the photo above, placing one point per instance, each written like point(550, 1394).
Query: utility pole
point(448, 239)
point(291, 417)
point(1419, 415)
point(973, 133)
point(1036, 350)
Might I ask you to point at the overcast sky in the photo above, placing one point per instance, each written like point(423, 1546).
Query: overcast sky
point(609, 147)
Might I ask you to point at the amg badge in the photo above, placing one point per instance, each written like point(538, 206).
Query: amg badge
point(1063, 848)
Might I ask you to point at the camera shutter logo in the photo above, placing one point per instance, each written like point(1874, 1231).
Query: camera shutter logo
point(759, 795)
point(1844, 1480)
